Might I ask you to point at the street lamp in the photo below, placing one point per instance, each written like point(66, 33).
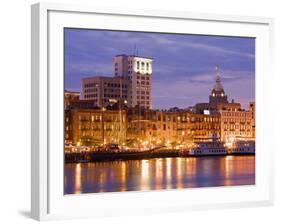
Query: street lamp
point(102, 124)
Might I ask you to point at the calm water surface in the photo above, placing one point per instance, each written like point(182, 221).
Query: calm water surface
point(161, 173)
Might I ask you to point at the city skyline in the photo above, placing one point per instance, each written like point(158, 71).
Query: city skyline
point(183, 65)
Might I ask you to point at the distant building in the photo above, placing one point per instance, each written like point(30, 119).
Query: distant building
point(70, 96)
point(132, 83)
point(101, 90)
point(252, 108)
point(118, 110)
point(139, 71)
point(217, 100)
point(218, 95)
point(83, 104)
point(236, 123)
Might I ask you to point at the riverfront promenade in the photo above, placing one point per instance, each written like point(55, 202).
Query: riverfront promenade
point(137, 155)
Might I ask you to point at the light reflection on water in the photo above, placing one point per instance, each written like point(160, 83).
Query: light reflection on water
point(159, 173)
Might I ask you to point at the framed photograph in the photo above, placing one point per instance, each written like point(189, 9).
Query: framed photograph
point(148, 111)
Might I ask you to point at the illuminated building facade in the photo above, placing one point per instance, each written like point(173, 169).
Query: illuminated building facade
point(252, 108)
point(137, 127)
point(236, 125)
point(139, 71)
point(153, 127)
point(95, 121)
point(95, 126)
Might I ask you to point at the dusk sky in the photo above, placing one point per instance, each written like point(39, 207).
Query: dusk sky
point(183, 65)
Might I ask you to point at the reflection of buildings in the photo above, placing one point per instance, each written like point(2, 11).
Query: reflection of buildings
point(112, 111)
point(132, 82)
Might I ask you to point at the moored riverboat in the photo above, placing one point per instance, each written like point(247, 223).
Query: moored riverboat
point(208, 148)
point(243, 147)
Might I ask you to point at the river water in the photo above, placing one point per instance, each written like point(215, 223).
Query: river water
point(159, 173)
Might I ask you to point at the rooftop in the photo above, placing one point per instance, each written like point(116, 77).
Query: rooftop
point(132, 55)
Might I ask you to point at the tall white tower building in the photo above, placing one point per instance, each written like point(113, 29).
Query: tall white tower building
point(139, 71)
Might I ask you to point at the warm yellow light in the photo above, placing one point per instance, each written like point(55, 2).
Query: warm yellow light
point(230, 142)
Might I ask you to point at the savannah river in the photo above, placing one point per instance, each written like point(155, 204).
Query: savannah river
point(160, 173)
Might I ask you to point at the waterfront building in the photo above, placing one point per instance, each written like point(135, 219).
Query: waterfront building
point(152, 126)
point(111, 113)
point(171, 129)
point(236, 125)
point(70, 96)
point(205, 126)
point(252, 108)
point(95, 126)
point(139, 71)
point(102, 90)
point(137, 127)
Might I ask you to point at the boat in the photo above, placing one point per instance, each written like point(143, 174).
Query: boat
point(112, 148)
point(244, 147)
point(210, 147)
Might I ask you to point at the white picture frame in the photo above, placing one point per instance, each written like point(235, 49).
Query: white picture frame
point(48, 201)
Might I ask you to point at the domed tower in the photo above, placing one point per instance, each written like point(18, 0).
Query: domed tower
point(218, 95)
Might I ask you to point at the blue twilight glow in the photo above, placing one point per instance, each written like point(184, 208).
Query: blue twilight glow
point(183, 65)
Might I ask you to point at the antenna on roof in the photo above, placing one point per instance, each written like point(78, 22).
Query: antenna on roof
point(134, 51)
point(217, 73)
point(217, 68)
